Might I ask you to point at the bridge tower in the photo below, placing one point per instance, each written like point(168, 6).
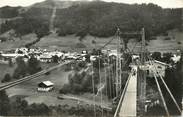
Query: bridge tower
point(142, 77)
point(118, 63)
point(182, 19)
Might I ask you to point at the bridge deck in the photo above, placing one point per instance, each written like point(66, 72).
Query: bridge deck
point(129, 103)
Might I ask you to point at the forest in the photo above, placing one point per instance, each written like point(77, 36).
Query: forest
point(96, 18)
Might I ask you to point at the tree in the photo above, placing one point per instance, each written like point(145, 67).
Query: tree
point(88, 58)
point(37, 110)
point(55, 59)
point(173, 80)
point(156, 56)
point(99, 62)
point(7, 78)
point(5, 103)
point(21, 69)
point(79, 83)
point(93, 42)
point(167, 57)
point(10, 62)
point(42, 31)
point(18, 106)
point(33, 65)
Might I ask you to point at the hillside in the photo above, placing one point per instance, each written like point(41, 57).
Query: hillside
point(9, 12)
point(101, 19)
point(95, 18)
point(59, 4)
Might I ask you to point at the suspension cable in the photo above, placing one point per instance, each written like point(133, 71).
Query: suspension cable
point(166, 86)
point(112, 67)
point(109, 41)
point(161, 94)
point(99, 74)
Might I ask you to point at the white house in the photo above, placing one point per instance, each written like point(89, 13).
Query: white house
point(21, 51)
point(156, 67)
point(176, 58)
point(45, 58)
point(45, 86)
point(12, 55)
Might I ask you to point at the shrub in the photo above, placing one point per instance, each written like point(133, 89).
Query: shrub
point(179, 42)
point(80, 45)
point(167, 38)
point(6, 78)
point(47, 73)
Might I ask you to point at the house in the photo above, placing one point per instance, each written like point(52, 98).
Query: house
point(84, 52)
point(12, 55)
point(45, 86)
point(45, 58)
point(176, 58)
point(134, 57)
point(70, 56)
point(21, 51)
point(93, 58)
point(157, 66)
point(112, 53)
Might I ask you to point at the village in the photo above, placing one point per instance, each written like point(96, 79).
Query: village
point(46, 56)
point(49, 87)
point(91, 58)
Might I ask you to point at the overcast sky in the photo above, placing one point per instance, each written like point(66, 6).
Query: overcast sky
point(162, 3)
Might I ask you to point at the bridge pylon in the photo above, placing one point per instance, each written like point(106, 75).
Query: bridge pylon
point(142, 78)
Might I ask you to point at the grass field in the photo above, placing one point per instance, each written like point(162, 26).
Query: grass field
point(28, 90)
point(68, 43)
point(16, 43)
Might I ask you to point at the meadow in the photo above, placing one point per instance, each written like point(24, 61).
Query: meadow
point(69, 43)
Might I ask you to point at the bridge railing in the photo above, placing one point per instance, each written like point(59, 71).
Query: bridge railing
point(122, 97)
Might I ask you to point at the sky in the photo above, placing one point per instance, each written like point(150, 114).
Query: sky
point(162, 3)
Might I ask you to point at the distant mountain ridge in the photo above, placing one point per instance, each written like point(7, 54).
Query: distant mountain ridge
point(57, 3)
point(96, 18)
point(10, 12)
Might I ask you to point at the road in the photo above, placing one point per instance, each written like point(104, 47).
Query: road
point(129, 103)
point(13, 83)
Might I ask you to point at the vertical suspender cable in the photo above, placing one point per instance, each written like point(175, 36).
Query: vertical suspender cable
point(109, 78)
point(100, 80)
point(93, 85)
point(113, 80)
point(105, 69)
point(116, 78)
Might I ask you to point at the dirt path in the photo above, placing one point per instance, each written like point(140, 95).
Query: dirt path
point(51, 27)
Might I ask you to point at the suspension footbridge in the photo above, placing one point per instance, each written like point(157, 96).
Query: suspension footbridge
point(130, 95)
